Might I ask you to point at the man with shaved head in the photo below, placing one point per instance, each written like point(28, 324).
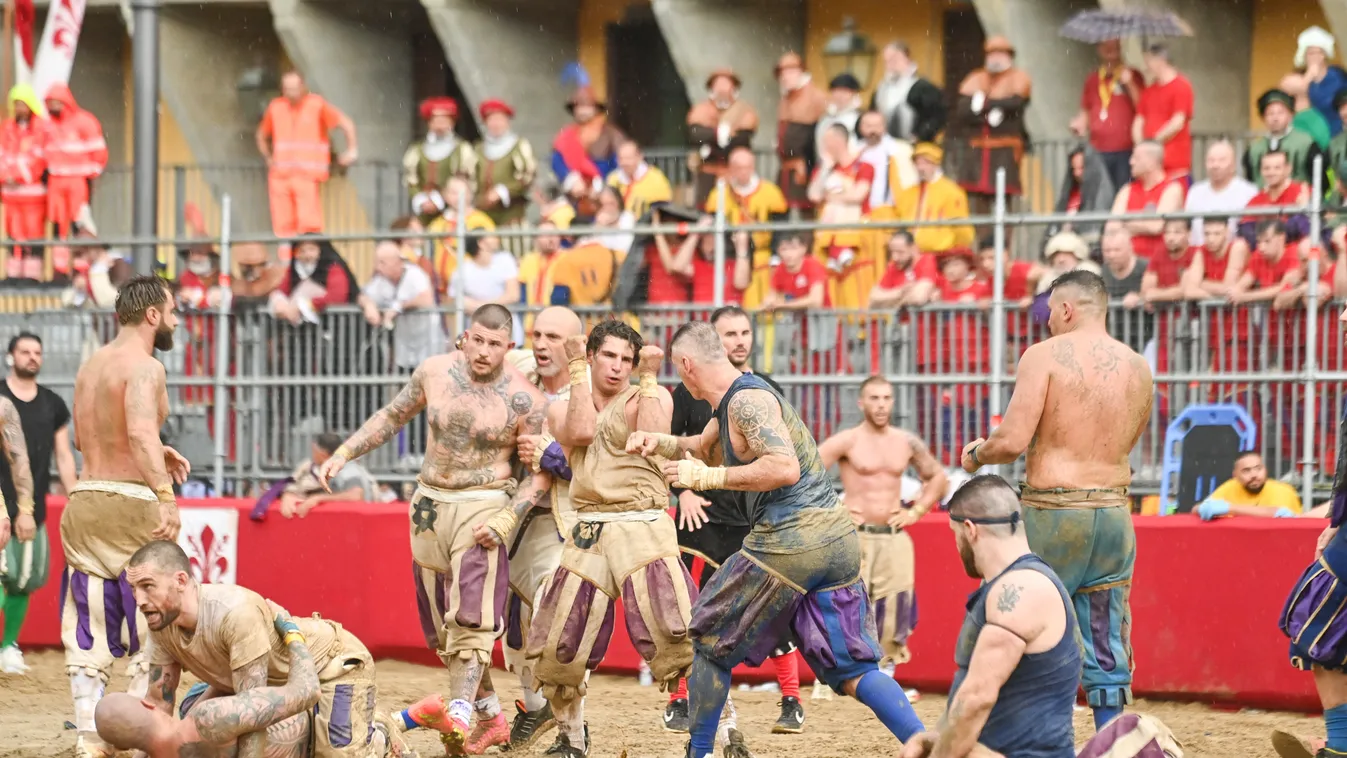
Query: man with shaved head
point(797, 575)
point(1151, 191)
point(1081, 401)
point(290, 687)
point(1017, 657)
point(1222, 193)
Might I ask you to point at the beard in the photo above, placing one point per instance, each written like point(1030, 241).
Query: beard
point(485, 377)
point(163, 339)
point(1254, 489)
point(739, 362)
point(24, 372)
point(969, 562)
point(164, 619)
point(550, 370)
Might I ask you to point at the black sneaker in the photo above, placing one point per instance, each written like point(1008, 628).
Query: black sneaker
point(676, 716)
point(736, 746)
point(529, 725)
point(564, 748)
point(792, 717)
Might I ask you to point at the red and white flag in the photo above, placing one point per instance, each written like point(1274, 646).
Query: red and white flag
point(25, 19)
point(56, 52)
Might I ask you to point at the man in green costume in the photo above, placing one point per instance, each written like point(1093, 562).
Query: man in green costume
point(1278, 109)
point(430, 163)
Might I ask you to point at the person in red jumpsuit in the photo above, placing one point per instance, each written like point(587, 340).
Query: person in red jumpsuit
point(77, 153)
point(23, 145)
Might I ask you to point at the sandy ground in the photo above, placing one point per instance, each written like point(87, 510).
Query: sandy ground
point(624, 716)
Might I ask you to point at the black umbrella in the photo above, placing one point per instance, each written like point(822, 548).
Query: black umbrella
point(1094, 27)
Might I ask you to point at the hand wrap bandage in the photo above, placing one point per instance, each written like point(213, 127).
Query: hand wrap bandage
point(294, 637)
point(554, 461)
point(287, 626)
point(579, 370)
point(667, 446)
point(25, 506)
point(343, 451)
point(165, 494)
point(649, 386)
point(502, 522)
point(545, 442)
point(696, 475)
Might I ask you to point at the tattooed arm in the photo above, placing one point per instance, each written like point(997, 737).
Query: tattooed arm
point(381, 427)
point(16, 452)
point(248, 678)
point(249, 713)
point(1020, 423)
point(142, 404)
point(757, 416)
point(1021, 608)
point(934, 480)
point(535, 484)
point(163, 691)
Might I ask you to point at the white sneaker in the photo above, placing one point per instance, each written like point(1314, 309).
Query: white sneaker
point(11, 661)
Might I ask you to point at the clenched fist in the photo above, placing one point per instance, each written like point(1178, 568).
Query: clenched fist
point(575, 347)
point(651, 359)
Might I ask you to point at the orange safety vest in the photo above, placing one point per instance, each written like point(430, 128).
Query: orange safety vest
point(299, 142)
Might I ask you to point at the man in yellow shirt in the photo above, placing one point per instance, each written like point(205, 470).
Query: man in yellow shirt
point(535, 268)
point(1250, 493)
point(639, 183)
point(934, 197)
point(446, 224)
point(751, 199)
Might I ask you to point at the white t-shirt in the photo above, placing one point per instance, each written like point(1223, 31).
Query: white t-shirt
point(1202, 197)
point(488, 282)
point(418, 333)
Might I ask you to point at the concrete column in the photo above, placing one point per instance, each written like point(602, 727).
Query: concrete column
point(514, 51)
point(1057, 66)
point(218, 44)
point(360, 59)
point(99, 83)
point(747, 36)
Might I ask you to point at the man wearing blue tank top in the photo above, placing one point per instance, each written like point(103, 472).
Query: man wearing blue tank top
point(1018, 662)
point(798, 573)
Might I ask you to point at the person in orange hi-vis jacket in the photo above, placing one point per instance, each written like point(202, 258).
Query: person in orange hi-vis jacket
point(76, 155)
point(23, 144)
point(293, 138)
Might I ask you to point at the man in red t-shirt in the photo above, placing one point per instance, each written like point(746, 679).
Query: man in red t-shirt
point(1162, 286)
point(907, 266)
point(1165, 112)
point(954, 338)
point(1153, 191)
point(1108, 106)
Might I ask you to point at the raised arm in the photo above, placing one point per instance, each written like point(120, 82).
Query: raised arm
point(654, 404)
point(16, 452)
point(576, 426)
point(1020, 423)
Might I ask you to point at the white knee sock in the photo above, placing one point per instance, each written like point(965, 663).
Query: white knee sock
point(488, 707)
point(533, 699)
point(570, 718)
point(729, 719)
point(87, 690)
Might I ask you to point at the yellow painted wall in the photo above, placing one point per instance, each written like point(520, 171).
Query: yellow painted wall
point(595, 15)
point(1276, 24)
point(919, 23)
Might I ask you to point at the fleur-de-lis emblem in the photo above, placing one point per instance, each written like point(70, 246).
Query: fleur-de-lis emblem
point(208, 561)
point(586, 533)
point(424, 515)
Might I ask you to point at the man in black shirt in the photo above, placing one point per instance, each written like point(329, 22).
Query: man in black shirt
point(712, 527)
point(45, 419)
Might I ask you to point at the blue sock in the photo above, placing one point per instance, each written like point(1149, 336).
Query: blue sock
point(881, 694)
point(408, 721)
point(708, 688)
point(1104, 714)
point(1335, 720)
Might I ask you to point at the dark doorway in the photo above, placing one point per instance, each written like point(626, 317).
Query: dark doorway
point(963, 40)
point(433, 77)
point(646, 98)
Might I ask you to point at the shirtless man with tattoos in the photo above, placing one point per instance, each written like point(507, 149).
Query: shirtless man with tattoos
point(477, 405)
point(123, 500)
point(1081, 402)
point(624, 543)
point(16, 452)
point(873, 457)
point(798, 572)
point(270, 685)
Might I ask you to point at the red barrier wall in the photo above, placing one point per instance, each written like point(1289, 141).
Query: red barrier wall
point(1205, 603)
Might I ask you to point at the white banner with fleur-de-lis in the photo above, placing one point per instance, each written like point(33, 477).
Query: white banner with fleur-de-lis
point(210, 538)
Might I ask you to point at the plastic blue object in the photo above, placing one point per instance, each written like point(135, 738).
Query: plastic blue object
point(1192, 417)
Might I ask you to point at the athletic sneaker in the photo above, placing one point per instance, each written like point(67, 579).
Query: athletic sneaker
point(564, 748)
point(792, 717)
point(529, 725)
point(11, 661)
point(454, 737)
point(676, 717)
point(488, 733)
point(736, 746)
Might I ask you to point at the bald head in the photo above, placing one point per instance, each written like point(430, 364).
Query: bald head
point(559, 319)
point(987, 497)
point(1220, 162)
point(388, 260)
point(550, 330)
point(125, 721)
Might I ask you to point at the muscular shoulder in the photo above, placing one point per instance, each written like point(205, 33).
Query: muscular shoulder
point(1023, 602)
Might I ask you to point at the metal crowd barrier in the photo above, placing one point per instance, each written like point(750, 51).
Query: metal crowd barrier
point(282, 384)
